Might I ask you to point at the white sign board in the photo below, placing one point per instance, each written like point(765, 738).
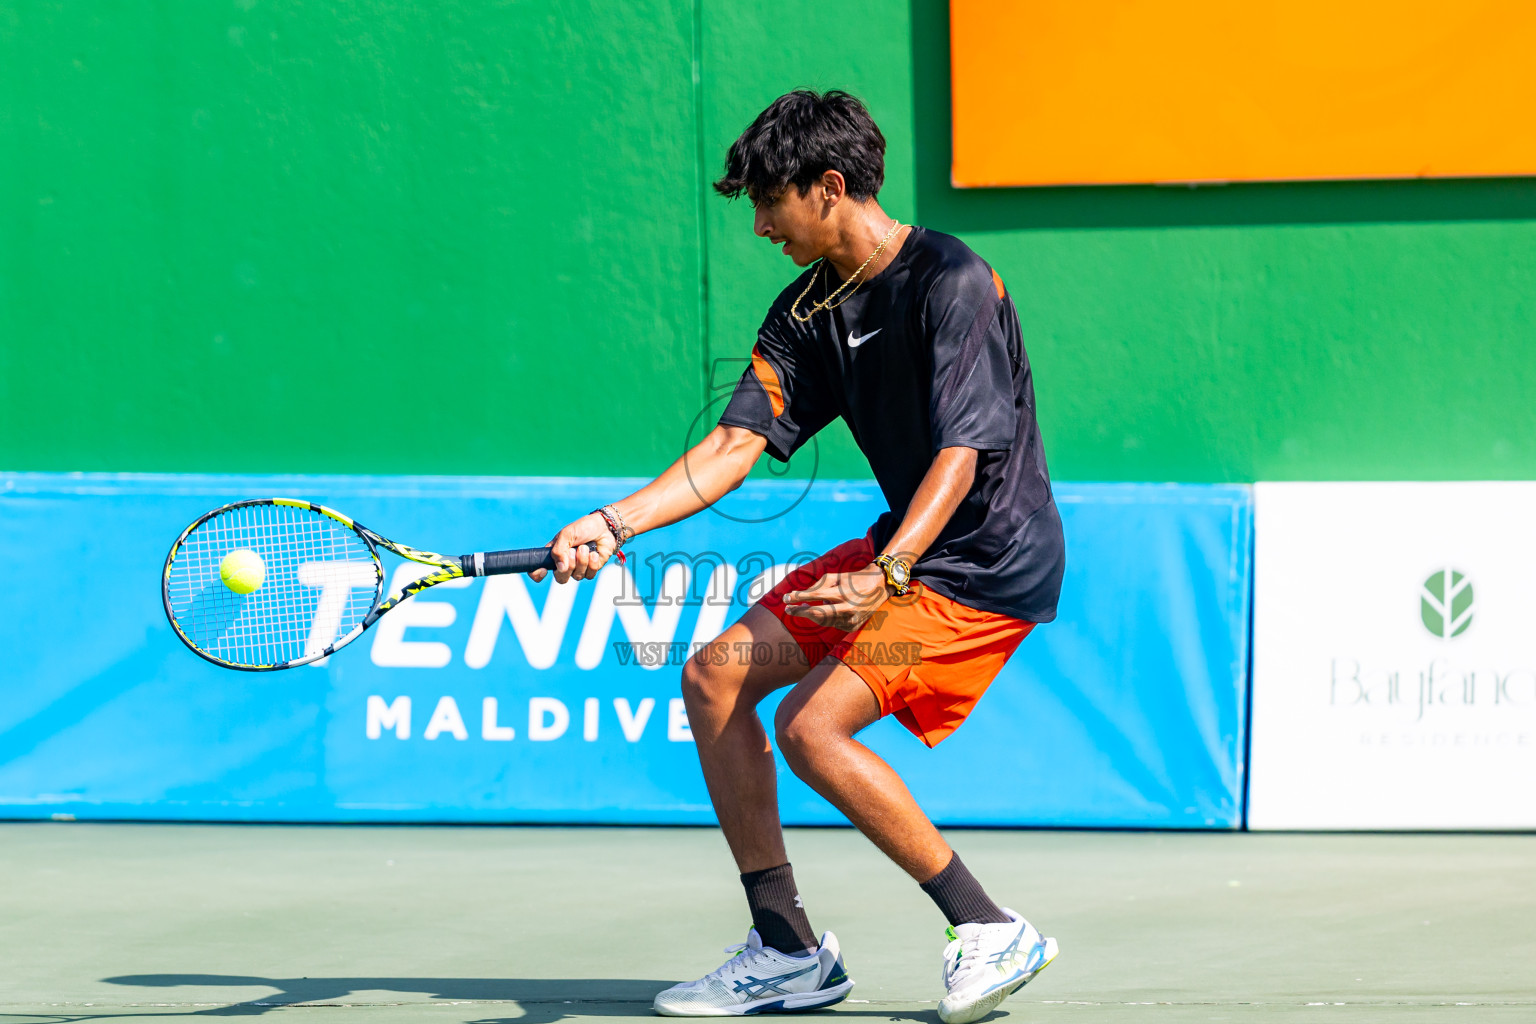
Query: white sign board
point(1394, 673)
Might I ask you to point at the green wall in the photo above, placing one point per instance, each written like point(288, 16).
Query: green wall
point(476, 237)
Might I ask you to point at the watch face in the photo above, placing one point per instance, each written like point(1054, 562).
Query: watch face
point(900, 574)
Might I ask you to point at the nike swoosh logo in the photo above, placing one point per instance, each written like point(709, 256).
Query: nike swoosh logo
point(856, 342)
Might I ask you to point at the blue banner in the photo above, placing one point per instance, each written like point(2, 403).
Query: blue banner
point(506, 701)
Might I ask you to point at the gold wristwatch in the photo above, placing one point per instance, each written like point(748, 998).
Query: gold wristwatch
point(898, 574)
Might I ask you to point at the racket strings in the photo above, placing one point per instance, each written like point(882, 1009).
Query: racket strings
point(320, 581)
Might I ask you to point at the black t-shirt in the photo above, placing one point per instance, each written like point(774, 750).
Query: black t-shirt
point(926, 355)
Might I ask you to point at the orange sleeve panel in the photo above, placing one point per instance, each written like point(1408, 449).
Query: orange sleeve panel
point(769, 380)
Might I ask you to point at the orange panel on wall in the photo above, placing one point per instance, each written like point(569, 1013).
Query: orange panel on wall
point(1076, 92)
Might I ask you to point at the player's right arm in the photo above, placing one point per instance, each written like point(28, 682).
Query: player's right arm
point(706, 473)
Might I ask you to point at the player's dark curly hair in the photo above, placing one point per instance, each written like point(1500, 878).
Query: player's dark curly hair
point(800, 136)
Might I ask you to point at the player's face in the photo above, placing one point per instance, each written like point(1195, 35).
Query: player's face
point(800, 223)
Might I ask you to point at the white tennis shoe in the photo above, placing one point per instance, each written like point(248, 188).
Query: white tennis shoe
point(757, 979)
point(986, 963)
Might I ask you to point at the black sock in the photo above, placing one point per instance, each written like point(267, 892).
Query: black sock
point(961, 898)
point(777, 913)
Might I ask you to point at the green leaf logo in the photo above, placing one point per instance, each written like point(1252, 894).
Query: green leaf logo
point(1445, 604)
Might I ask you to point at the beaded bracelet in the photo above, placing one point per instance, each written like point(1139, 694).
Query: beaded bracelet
point(616, 527)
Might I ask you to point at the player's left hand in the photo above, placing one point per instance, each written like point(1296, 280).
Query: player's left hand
point(841, 600)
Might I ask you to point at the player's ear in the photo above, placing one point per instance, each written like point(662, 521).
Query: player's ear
point(830, 188)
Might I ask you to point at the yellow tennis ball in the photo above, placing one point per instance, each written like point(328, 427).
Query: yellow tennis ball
point(243, 571)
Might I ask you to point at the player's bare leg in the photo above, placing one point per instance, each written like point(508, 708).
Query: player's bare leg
point(816, 724)
point(783, 965)
point(733, 746)
point(994, 951)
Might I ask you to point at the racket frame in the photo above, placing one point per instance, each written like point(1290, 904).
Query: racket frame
point(445, 568)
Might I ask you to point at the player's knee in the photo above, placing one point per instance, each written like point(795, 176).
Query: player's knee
point(796, 736)
point(708, 687)
point(697, 685)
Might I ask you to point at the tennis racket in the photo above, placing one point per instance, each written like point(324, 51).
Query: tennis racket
point(277, 583)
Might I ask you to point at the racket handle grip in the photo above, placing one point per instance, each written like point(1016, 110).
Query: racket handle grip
point(498, 563)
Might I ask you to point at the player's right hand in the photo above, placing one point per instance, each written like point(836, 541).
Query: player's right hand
point(579, 550)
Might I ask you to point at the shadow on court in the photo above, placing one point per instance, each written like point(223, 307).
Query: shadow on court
point(542, 1000)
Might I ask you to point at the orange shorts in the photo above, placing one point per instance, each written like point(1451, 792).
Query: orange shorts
point(928, 659)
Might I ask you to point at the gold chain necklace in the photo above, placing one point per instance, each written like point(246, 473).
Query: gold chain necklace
point(857, 275)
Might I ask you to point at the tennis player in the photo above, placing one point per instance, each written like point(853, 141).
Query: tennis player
point(913, 340)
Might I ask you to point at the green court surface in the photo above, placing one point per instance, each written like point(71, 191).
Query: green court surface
point(348, 924)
